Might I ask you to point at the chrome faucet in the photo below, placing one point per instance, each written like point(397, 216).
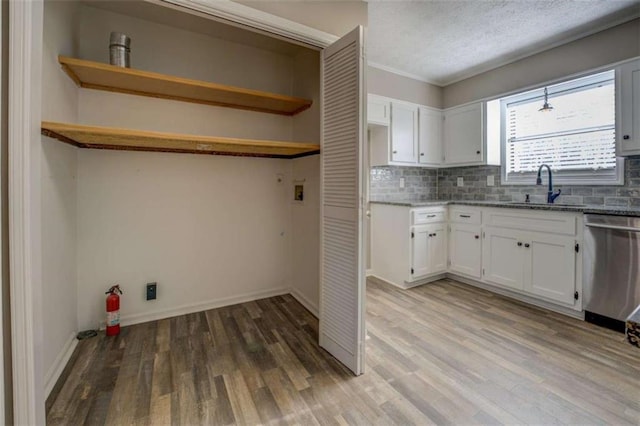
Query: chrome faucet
point(551, 197)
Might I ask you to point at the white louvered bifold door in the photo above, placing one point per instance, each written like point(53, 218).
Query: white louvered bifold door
point(342, 278)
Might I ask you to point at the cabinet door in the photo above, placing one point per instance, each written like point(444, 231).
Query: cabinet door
point(437, 248)
point(465, 250)
point(378, 110)
point(628, 96)
point(420, 250)
point(550, 271)
point(404, 132)
point(464, 134)
point(429, 136)
point(503, 257)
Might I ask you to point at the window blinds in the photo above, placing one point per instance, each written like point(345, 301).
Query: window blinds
point(578, 135)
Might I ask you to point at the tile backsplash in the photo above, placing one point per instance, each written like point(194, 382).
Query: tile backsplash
point(441, 184)
point(420, 184)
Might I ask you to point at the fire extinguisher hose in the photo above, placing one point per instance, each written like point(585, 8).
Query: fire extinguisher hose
point(114, 289)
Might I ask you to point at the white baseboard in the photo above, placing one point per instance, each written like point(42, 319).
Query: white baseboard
point(406, 284)
point(59, 364)
point(304, 301)
point(521, 297)
point(200, 306)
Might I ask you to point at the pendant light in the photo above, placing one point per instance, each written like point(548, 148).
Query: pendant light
point(546, 107)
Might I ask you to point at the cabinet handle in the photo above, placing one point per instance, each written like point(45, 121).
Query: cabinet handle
point(477, 152)
point(465, 215)
point(626, 137)
point(395, 152)
point(434, 234)
point(422, 154)
point(527, 245)
point(477, 237)
point(519, 244)
point(431, 215)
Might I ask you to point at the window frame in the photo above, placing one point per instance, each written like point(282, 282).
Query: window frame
point(575, 177)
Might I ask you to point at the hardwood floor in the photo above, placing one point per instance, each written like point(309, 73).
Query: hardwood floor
point(443, 353)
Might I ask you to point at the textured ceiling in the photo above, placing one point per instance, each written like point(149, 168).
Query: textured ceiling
point(443, 41)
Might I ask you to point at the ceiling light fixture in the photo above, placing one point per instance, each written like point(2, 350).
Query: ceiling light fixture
point(546, 107)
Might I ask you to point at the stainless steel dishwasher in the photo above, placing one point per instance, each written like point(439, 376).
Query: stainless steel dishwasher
point(611, 274)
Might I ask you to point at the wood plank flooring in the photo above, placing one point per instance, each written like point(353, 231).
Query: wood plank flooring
point(442, 353)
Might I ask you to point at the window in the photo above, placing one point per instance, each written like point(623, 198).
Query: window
point(576, 138)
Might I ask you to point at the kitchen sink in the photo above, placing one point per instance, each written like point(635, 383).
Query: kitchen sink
point(522, 203)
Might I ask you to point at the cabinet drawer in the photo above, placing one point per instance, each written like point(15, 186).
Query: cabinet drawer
point(420, 216)
point(540, 221)
point(461, 214)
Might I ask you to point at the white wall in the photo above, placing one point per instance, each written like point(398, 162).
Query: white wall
point(210, 230)
point(333, 17)
point(58, 192)
point(385, 83)
point(305, 216)
point(160, 48)
point(603, 48)
point(306, 233)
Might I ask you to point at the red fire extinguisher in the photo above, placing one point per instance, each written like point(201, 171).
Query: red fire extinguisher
point(113, 310)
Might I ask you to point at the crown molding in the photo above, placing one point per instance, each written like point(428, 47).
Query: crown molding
point(245, 16)
point(492, 66)
point(402, 73)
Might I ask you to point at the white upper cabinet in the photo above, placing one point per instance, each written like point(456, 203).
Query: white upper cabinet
point(378, 110)
point(628, 108)
point(404, 132)
point(429, 136)
point(464, 134)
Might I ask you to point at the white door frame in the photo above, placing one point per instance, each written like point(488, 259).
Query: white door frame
point(25, 57)
point(2, 385)
point(25, 81)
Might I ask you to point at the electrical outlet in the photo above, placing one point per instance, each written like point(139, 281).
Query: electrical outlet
point(491, 180)
point(401, 182)
point(152, 291)
point(460, 181)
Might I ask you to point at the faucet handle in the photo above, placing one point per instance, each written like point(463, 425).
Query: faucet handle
point(552, 196)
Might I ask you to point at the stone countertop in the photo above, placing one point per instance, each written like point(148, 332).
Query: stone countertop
point(610, 210)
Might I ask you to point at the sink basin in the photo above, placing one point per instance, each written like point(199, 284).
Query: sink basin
point(522, 203)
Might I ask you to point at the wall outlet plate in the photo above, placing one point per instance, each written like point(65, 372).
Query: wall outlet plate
point(152, 291)
point(401, 182)
point(460, 181)
point(491, 180)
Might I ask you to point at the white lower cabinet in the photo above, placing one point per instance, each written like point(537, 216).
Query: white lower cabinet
point(532, 253)
point(428, 249)
point(465, 249)
point(408, 244)
point(552, 263)
point(538, 264)
point(504, 258)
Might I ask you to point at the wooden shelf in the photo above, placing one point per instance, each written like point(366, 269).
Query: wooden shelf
point(96, 75)
point(138, 140)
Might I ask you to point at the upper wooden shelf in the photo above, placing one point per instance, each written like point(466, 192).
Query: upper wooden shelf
point(96, 75)
point(138, 140)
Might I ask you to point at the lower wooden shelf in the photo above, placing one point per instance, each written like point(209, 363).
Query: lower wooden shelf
point(139, 140)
